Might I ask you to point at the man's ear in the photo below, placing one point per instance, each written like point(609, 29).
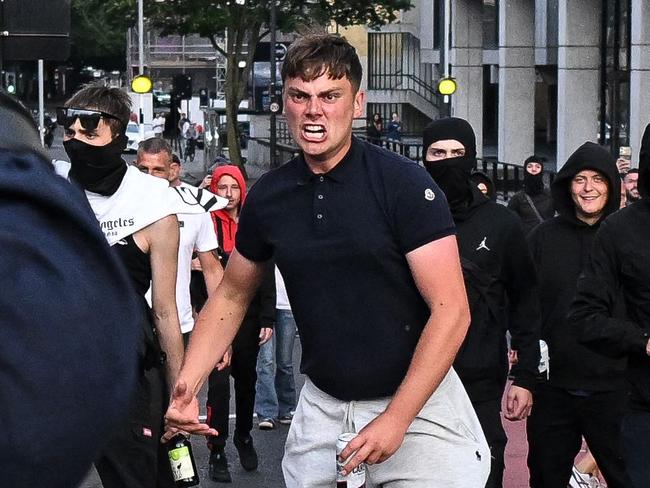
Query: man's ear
point(175, 170)
point(359, 104)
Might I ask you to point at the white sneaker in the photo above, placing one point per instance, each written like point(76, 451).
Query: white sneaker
point(583, 480)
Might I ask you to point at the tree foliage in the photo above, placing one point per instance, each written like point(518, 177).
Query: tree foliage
point(242, 23)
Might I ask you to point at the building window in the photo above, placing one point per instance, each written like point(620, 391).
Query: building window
point(615, 74)
point(490, 24)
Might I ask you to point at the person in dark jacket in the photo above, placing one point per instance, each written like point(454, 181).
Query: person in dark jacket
point(69, 321)
point(501, 288)
point(533, 204)
point(619, 263)
point(257, 328)
point(583, 392)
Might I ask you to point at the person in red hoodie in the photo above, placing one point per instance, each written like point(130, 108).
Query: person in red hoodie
point(257, 328)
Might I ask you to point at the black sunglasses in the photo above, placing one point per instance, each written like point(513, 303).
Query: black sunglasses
point(89, 119)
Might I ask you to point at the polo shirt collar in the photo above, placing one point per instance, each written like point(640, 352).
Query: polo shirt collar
point(337, 174)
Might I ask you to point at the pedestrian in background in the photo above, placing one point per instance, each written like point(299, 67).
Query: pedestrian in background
point(257, 329)
point(394, 128)
point(375, 129)
point(583, 391)
point(533, 204)
point(619, 264)
point(501, 288)
point(275, 398)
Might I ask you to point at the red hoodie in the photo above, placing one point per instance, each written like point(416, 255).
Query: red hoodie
point(224, 225)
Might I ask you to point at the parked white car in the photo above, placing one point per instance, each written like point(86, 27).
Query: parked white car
point(133, 133)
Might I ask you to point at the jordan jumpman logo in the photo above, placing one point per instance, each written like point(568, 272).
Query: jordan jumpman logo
point(482, 245)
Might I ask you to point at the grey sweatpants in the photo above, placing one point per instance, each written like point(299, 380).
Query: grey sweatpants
point(443, 448)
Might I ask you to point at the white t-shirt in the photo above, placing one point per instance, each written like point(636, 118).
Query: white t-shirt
point(281, 298)
point(158, 125)
point(196, 233)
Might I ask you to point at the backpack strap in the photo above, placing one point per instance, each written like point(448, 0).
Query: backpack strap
point(532, 205)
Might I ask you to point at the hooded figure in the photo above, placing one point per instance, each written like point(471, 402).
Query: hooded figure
point(453, 175)
point(256, 327)
point(585, 191)
point(619, 265)
point(224, 224)
point(500, 282)
point(533, 204)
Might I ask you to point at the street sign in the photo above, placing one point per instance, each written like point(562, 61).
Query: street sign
point(35, 29)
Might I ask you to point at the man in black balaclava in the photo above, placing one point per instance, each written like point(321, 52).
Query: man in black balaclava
point(533, 204)
point(501, 288)
point(619, 264)
point(95, 121)
point(582, 393)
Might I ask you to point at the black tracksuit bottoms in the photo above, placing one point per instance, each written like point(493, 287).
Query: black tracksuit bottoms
point(245, 349)
point(558, 422)
point(134, 456)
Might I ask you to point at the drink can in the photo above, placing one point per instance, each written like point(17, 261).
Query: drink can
point(355, 479)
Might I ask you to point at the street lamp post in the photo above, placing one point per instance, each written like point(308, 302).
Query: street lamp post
point(141, 62)
point(274, 106)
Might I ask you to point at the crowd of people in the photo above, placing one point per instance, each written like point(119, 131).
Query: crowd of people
point(420, 301)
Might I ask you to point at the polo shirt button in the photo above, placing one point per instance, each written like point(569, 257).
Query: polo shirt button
point(320, 197)
point(321, 178)
point(319, 216)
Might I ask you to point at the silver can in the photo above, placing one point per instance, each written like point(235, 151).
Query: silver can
point(355, 479)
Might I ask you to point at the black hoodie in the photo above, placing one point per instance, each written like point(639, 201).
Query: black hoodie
point(561, 247)
point(620, 262)
point(499, 277)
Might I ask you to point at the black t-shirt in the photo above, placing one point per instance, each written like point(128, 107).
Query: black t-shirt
point(340, 241)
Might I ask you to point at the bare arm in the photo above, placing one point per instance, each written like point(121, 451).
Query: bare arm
point(162, 237)
point(437, 274)
point(213, 332)
point(212, 270)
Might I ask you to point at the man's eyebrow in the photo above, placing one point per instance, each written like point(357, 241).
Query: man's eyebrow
point(297, 91)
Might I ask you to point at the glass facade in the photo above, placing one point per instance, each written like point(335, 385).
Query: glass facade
point(615, 74)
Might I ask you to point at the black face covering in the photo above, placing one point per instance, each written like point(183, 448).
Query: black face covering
point(98, 169)
point(534, 184)
point(452, 174)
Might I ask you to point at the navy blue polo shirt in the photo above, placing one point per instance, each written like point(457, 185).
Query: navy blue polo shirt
point(340, 240)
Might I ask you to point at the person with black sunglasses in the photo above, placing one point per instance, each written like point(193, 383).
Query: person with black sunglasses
point(146, 241)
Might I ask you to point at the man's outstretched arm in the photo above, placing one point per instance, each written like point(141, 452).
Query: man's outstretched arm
point(214, 331)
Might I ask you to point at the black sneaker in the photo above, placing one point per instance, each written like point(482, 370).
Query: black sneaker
point(247, 453)
point(218, 467)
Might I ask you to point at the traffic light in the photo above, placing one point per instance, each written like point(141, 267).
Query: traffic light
point(10, 82)
point(203, 97)
point(182, 86)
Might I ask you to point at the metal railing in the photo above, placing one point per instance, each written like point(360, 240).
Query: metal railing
point(405, 82)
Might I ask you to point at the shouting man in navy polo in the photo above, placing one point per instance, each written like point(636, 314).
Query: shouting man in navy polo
point(367, 247)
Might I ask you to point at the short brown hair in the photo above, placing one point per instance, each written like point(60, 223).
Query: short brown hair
point(110, 100)
point(155, 145)
point(316, 54)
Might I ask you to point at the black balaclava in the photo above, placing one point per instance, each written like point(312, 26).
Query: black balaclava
point(451, 174)
point(533, 184)
point(99, 169)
